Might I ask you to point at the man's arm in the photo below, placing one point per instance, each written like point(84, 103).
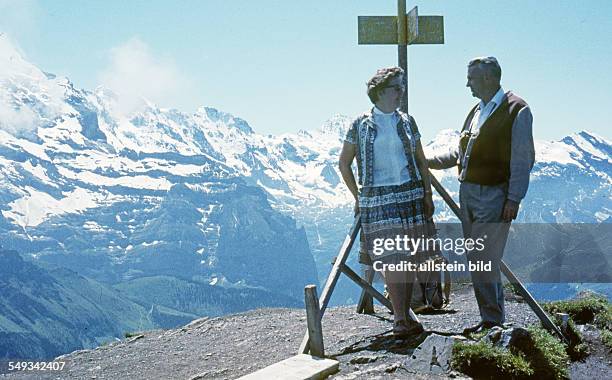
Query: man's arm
point(521, 162)
point(444, 161)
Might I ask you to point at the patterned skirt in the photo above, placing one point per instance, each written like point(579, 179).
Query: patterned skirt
point(390, 217)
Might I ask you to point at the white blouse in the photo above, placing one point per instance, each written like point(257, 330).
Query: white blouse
point(390, 164)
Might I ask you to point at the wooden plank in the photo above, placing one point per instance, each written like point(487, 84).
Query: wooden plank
point(332, 279)
point(431, 30)
point(377, 30)
point(412, 19)
point(383, 30)
point(366, 302)
point(299, 367)
point(313, 318)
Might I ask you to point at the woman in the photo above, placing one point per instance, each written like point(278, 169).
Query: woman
point(395, 197)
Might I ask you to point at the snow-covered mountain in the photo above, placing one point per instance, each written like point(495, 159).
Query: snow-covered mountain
point(161, 191)
point(117, 197)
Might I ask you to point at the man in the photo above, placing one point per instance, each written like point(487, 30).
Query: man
point(495, 156)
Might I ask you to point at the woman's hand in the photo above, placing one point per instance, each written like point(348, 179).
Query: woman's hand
point(428, 205)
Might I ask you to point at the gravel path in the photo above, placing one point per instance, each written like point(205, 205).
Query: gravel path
point(234, 345)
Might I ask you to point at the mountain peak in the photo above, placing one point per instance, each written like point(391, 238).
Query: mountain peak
point(336, 125)
point(12, 62)
point(590, 143)
point(216, 116)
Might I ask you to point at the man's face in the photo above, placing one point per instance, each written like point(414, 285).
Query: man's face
point(477, 81)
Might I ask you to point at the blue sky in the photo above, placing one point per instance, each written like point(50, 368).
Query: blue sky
point(289, 65)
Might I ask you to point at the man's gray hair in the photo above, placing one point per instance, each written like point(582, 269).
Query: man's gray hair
point(489, 64)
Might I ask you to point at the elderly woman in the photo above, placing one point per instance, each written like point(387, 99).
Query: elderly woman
point(395, 196)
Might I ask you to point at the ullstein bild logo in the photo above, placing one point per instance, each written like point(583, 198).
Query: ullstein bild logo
point(430, 266)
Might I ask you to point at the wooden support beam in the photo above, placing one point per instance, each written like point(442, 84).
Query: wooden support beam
point(373, 292)
point(332, 279)
point(366, 301)
point(535, 306)
point(313, 318)
point(366, 287)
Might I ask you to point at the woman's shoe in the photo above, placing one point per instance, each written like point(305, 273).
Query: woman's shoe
point(405, 328)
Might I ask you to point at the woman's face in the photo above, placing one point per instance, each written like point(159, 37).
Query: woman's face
point(390, 97)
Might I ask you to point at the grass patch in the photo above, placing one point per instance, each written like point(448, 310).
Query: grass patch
point(590, 309)
point(576, 348)
point(538, 356)
point(509, 287)
point(606, 338)
point(484, 361)
point(547, 357)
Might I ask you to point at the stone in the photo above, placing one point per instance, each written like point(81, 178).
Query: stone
point(515, 337)
point(432, 356)
point(364, 359)
point(494, 335)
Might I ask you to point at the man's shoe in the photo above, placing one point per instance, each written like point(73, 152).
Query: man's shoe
point(404, 329)
point(473, 329)
point(482, 325)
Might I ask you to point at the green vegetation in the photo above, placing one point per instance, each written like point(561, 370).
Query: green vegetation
point(606, 338)
point(547, 357)
point(539, 357)
point(591, 308)
point(484, 361)
point(509, 287)
point(576, 349)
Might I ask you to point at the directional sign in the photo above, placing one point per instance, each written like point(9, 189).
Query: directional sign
point(382, 30)
point(401, 30)
point(412, 19)
point(431, 30)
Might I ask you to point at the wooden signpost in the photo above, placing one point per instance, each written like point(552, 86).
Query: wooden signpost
point(401, 30)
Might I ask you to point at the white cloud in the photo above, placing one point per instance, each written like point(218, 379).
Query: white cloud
point(135, 73)
point(19, 18)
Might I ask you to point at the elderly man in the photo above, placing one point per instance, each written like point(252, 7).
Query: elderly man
point(495, 156)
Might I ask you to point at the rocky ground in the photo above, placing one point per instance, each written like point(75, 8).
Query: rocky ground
point(231, 346)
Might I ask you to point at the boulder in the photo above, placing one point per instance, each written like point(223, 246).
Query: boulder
point(432, 356)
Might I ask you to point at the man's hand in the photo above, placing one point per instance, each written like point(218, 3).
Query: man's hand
point(356, 207)
point(510, 211)
point(428, 205)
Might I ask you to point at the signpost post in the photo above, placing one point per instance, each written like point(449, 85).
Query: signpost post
point(401, 30)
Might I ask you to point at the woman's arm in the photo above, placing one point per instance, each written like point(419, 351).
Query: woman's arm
point(346, 159)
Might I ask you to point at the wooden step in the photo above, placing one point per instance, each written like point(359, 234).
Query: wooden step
point(298, 367)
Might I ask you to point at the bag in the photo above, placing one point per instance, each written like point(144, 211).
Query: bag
point(433, 286)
